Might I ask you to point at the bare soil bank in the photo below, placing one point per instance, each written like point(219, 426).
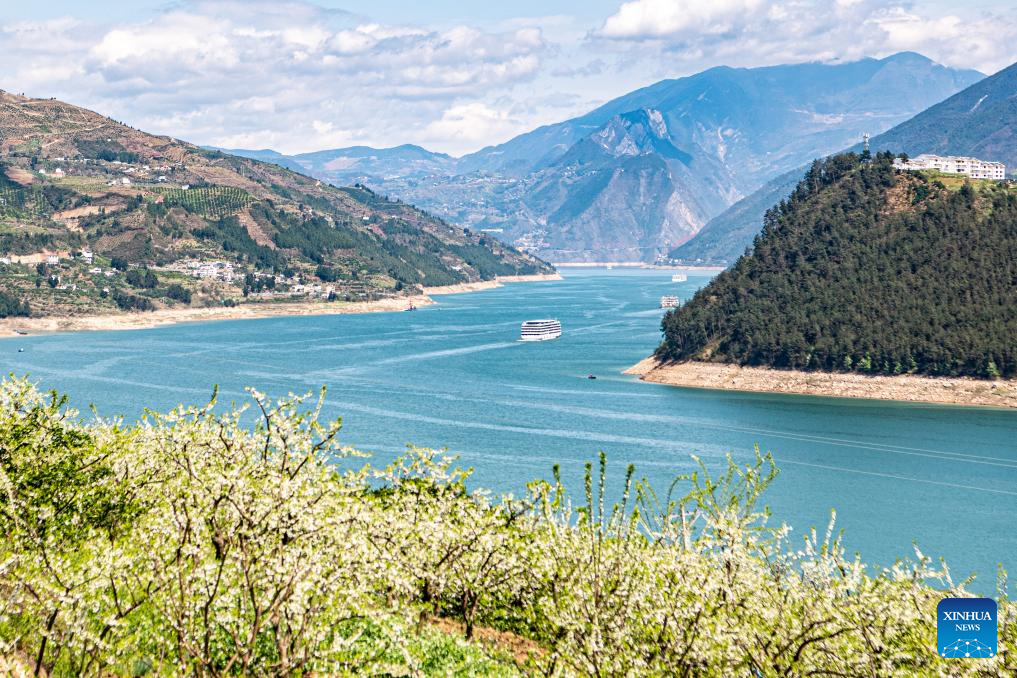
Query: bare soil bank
point(490, 284)
point(947, 390)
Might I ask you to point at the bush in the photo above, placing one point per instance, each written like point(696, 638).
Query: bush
point(206, 542)
point(178, 293)
point(12, 306)
point(131, 302)
point(145, 279)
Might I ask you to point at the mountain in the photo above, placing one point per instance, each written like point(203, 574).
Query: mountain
point(867, 269)
point(264, 155)
point(726, 236)
point(167, 223)
point(979, 121)
point(646, 171)
point(360, 164)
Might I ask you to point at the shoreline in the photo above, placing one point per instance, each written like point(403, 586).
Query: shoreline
point(904, 388)
point(175, 316)
point(499, 281)
point(636, 264)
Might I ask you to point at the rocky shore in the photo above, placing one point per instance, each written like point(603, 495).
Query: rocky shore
point(945, 390)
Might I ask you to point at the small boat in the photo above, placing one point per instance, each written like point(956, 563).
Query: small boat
point(591, 376)
point(679, 277)
point(670, 302)
point(21, 350)
point(610, 267)
point(21, 332)
point(540, 330)
point(411, 307)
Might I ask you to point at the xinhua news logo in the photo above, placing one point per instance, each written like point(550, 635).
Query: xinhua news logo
point(966, 628)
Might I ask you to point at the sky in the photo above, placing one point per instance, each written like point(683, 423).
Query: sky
point(305, 75)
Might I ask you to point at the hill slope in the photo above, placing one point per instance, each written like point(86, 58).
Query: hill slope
point(979, 121)
point(870, 270)
point(165, 223)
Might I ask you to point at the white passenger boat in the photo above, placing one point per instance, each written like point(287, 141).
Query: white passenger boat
point(540, 330)
point(670, 302)
point(679, 277)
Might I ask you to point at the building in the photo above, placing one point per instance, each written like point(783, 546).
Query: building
point(52, 259)
point(955, 164)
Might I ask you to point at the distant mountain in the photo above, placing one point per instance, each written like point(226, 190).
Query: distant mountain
point(867, 269)
point(727, 235)
point(361, 164)
point(980, 121)
point(264, 155)
point(153, 211)
point(644, 172)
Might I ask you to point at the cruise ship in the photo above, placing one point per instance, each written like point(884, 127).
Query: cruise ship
point(670, 302)
point(679, 277)
point(540, 330)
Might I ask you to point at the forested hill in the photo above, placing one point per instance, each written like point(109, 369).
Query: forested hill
point(96, 217)
point(867, 269)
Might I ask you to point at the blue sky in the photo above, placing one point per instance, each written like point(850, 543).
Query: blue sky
point(300, 75)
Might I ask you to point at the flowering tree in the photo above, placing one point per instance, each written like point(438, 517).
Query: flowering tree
point(251, 542)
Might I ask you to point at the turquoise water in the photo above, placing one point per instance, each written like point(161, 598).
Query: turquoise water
point(453, 375)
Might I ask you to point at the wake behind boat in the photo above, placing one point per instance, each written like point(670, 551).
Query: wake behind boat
point(540, 330)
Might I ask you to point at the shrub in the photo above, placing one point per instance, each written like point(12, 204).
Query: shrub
point(178, 292)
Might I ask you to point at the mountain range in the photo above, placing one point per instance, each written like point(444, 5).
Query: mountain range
point(645, 172)
point(979, 121)
point(96, 216)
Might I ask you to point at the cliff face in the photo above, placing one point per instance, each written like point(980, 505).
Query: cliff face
point(866, 269)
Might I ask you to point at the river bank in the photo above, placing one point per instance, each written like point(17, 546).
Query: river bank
point(172, 316)
point(637, 264)
point(490, 284)
point(912, 388)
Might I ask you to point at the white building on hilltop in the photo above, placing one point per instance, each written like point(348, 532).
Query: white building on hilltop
point(955, 164)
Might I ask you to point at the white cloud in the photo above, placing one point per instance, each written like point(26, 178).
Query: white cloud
point(674, 18)
point(296, 76)
point(753, 32)
point(474, 124)
point(293, 73)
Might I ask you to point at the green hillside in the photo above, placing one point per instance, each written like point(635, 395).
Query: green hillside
point(867, 269)
point(85, 200)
